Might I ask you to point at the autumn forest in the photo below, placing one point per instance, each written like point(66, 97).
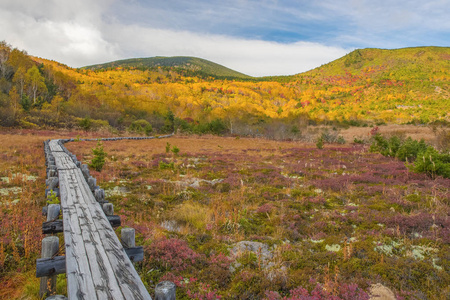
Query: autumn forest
point(367, 86)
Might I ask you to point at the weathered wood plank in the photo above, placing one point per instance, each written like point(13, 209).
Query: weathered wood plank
point(135, 253)
point(57, 265)
point(55, 146)
point(52, 227)
point(102, 253)
point(101, 273)
point(79, 279)
point(56, 226)
point(127, 277)
point(50, 246)
point(50, 266)
point(63, 161)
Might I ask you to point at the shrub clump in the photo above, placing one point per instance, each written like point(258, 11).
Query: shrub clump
point(141, 126)
point(433, 163)
point(172, 254)
point(426, 158)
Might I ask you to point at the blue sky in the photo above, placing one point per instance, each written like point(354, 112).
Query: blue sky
point(267, 37)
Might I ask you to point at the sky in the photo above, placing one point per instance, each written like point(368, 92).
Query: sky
point(255, 37)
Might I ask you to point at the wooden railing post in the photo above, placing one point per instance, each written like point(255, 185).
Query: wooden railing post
point(165, 290)
point(50, 246)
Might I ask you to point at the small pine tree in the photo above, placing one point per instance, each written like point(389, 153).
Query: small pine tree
point(319, 143)
point(175, 150)
point(99, 157)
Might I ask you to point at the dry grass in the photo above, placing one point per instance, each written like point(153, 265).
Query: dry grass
point(415, 132)
point(278, 191)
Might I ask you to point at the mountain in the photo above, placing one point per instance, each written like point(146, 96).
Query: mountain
point(193, 65)
point(400, 64)
point(399, 85)
point(366, 86)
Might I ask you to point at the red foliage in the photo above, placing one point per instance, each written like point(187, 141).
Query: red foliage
point(172, 254)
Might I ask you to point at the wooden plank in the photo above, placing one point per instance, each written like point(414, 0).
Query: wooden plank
point(102, 233)
point(63, 161)
point(79, 278)
point(58, 225)
point(103, 253)
point(127, 277)
point(52, 227)
point(50, 266)
point(101, 273)
point(135, 253)
point(54, 146)
point(57, 265)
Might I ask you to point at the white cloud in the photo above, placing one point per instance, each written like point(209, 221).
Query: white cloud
point(52, 29)
point(86, 32)
point(252, 57)
point(84, 39)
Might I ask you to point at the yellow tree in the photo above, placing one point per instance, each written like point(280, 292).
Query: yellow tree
point(35, 81)
point(19, 79)
point(14, 98)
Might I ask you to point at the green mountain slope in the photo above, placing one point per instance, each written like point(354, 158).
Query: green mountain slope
point(193, 65)
point(393, 85)
point(398, 64)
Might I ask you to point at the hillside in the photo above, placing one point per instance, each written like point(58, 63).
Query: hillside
point(390, 85)
point(195, 66)
point(363, 88)
point(399, 64)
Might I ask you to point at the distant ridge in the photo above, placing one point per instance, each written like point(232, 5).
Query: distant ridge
point(403, 63)
point(195, 66)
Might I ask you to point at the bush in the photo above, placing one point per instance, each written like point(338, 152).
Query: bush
point(359, 141)
point(387, 147)
point(216, 126)
point(175, 150)
point(329, 137)
point(141, 126)
point(442, 138)
point(85, 124)
point(426, 159)
point(433, 163)
point(171, 254)
point(319, 143)
point(99, 157)
point(409, 150)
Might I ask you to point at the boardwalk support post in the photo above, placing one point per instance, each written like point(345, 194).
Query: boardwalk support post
point(85, 171)
point(99, 195)
point(128, 237)
point(53, 212)
point(52, 182)
point(92, 182)
point(108, 208)
point(50, 246)
point(165, 290)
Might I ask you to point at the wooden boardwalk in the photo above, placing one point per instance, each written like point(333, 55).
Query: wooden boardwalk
point(97, 265)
